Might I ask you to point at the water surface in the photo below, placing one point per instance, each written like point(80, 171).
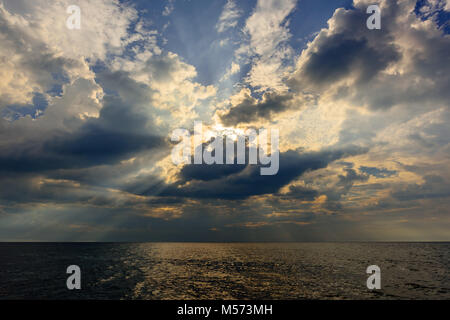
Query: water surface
point(225, 270)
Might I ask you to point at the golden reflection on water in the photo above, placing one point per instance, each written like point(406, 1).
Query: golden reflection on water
point(283, 271)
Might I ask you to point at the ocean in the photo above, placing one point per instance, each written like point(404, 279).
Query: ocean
point(158, 271)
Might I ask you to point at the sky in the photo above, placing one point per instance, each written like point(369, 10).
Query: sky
point(86, 117)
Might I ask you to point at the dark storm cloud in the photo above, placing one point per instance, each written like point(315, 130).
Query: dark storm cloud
point(349, 51)
point(66, 166)
point(209, 172)
point(250, 182)
point(116, 135)
point(251, 109)
point(354, 60)
point(96, 146)
point(108, 176)
point(26, 188)
point(121, 130)
point(340, 55)
point(92, 145)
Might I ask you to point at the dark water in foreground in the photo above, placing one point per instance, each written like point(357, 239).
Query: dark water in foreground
point(225, 270)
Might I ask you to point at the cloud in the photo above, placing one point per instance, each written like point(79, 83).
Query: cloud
point(378, 172)
point(433, 187)
point(349, 64)
point(46, 20)
point(204, 172)
point(350, 177)
point(268, 32)
point(338, 56)
point(177, 94)
point(363, 118)
point(229, 17)
point(101, 123)
point(300, 192)
point(168, 69)
point(267, 26)
point(250, 109)
point(238, 183)
point(376, 69)
point(121, 130)
point(35, 69)
point(234, 68)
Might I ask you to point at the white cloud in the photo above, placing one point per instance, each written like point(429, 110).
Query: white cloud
point(267, 26)
point(38, 48)
point(31, 64)
point(268, 33)
point(229, 17)
point(234, 68)
point(99, 33)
